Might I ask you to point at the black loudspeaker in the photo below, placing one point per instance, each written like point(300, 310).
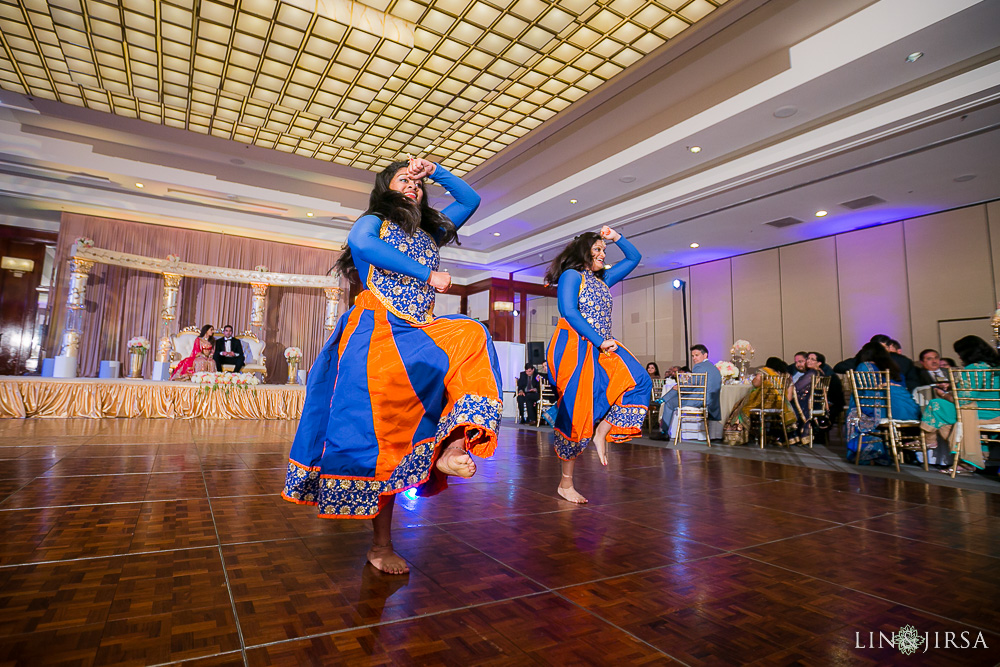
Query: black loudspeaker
point(536, 353)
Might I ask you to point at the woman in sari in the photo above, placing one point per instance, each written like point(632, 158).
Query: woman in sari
point(800, 398)
point(940, 417)
point(860, 423)
point(398, 398)
point(737, 428)
point(201, 359)
point(603, 390)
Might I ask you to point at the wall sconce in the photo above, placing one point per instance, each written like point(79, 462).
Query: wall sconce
point(17, 264)
point(505, 306)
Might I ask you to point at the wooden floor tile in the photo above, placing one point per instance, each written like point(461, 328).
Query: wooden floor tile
point(956, 584)
point(564, 548)
point(246, 519)
point(282, 592)
point(102, 465)
point(716, 522)
point(468, 502)
point(89, 490)
point(24, 467)
point(235, 483)
point(174, 524)
point(76, 645)
point(355, 647)
point(176, 486)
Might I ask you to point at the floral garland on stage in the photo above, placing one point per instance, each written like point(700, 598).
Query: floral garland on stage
point(214, 380)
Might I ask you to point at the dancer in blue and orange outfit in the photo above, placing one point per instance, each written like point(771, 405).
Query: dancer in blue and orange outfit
point(597, 379)
point(398, 398)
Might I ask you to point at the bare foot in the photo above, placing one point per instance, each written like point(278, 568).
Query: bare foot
point(602, 450)
point(570, 493)
point(386, 560)
point(456, 461)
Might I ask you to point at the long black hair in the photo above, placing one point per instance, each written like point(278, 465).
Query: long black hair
point(389, 204)
point(973, 349)
point(204, 330)
point(574, 256)
point(878, 355)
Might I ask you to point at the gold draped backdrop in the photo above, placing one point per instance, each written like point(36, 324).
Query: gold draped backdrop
point(95, 399)
point(122, 303)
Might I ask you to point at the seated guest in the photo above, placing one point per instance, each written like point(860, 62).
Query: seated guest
point(948, 362)
point(798, 368)
point(528, 391)
point(200, 359)
point(699, 355)
point(229, 351)
point(907, 369)
point(930, 369)
point(653, 370)
point(737, 426)
point(875, 357)
point(835, 395)
point(940, 415)
point(800, 396)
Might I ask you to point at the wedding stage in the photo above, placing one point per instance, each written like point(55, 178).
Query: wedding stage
point(22, 397)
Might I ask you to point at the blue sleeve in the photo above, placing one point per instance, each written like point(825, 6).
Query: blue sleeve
point(569, 306)
point(368, 249)
point(466, 199)
point(618, 272)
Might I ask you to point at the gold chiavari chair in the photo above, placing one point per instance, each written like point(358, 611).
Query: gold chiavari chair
point(871, 390)
point(818, 403)
point(546, 398)
point(692, 396)
point(976, 394)
point(654, 403)
point(772, 386)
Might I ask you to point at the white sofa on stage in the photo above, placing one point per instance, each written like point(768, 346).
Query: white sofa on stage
point(253, 350)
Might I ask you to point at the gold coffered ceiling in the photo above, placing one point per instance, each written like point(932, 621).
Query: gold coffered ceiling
point(355, 83)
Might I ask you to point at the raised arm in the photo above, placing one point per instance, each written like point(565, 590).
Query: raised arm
point(569, 306)
point(466, 199)
point(367, 248)
point(618, 272)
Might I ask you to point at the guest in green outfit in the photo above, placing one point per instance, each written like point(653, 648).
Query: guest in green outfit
point(939, 417)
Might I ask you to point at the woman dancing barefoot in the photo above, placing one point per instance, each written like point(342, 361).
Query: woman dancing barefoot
point(397, 398)
point(598, 380)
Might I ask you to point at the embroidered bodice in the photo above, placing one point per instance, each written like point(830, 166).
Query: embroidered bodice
point(595, 304)
point(405, 296)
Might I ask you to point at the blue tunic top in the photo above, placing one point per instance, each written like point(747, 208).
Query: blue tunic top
point(585, 299)
point(396, 266)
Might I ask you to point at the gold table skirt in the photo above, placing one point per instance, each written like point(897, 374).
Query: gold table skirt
point(22, 397)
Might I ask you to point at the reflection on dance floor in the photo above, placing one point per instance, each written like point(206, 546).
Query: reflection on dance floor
point(156, 541)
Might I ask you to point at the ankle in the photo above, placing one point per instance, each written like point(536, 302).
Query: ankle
point(376, 545)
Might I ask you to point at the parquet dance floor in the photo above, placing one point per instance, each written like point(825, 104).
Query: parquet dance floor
point(151, 542)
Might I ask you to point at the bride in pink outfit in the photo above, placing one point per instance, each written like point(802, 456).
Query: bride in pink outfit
point(200, 360)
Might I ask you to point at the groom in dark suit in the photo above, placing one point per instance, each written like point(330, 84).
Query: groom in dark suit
point(229, 350)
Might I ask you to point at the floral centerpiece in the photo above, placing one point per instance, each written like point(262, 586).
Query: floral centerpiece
point(261, 268)
point(728, 370)
point(84, 242)
point(137, 346)
point(741, 353)
point(214, 380)
point(293, 355)
point(173, 258)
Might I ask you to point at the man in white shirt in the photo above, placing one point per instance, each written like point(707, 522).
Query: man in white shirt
point(229, 351)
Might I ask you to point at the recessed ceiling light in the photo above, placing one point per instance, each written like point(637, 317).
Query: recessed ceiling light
point(785, 112)
point(915, 56)
point(820, 214)
point(309, 214)
point(496, 233)
point(572, 201)
point(139, 185)
point(695, 245)
point(694, 149)
point(627, 179)
point(964, 177)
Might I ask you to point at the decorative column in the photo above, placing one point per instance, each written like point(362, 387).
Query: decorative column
point(168, 313)
point(258, 307)
point(332, 305)
point(76, 302)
